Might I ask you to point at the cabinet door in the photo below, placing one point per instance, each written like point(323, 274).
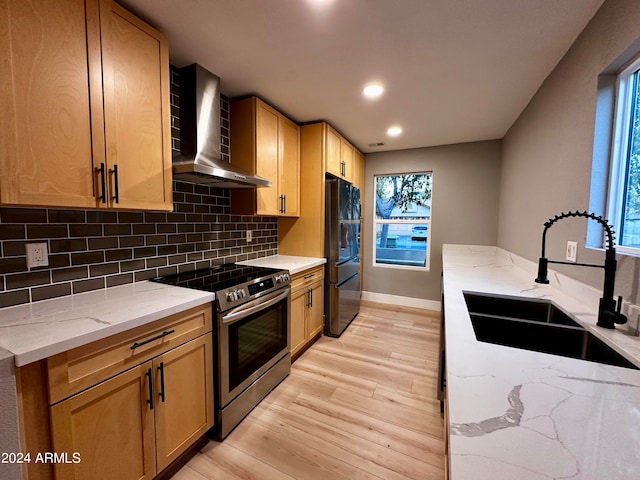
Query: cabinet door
point(346, 157)
point(268, 201)
point(136, 108)
point(47, 148)
point(297, 334)
point(110, 426)
point(333, 152)
point(184, 397)
point(315, 312)
point(358, 172)
point(289, 166)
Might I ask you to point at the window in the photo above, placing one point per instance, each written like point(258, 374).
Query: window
point(402, 223)
point(624, 187)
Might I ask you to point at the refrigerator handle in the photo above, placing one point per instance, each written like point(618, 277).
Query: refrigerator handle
point(338, 285)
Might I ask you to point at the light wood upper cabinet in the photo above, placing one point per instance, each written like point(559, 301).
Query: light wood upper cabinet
point(333, 158)
point(289, 167)
point(135, 60)
point(339, 155)
point(358, 172)
point(267, 144)
point(84, 91)
point(47, 146)
point(347, 158)
point(320, 153)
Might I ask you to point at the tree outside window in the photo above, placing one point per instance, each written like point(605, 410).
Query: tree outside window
point(403, 219)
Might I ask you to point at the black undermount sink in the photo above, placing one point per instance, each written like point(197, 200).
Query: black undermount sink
point(536, 325)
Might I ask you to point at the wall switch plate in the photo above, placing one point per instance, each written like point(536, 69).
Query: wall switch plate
point(572, 251)
point(37, 255)
point(249, 236)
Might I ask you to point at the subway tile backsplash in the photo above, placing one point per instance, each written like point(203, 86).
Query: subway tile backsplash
point(90, 250)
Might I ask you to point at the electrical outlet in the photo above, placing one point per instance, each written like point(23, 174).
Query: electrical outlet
point(249, 236)
point(572, 251)
point(37, 255)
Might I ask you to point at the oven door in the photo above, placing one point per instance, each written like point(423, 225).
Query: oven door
point(251, 339)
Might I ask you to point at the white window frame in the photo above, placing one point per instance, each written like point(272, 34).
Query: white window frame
point(619, 152)
point(427, 222)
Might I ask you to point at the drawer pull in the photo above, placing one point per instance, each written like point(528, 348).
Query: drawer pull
point(307, 277)
point(150, 400)
point(153, 339)
point(161, 392)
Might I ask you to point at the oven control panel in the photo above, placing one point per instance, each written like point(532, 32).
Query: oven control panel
point(260, 286)
point(251, 289)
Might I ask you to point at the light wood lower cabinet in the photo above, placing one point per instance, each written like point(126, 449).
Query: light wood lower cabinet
point(110, 428)
point(134, 424)
point(185, 400)
point(307, 309)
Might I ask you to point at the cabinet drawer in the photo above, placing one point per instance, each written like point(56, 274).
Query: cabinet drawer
point(306, 278)
point(75, 370)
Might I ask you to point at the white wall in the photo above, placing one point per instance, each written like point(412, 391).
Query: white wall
point(466, 180)
point(547, 153)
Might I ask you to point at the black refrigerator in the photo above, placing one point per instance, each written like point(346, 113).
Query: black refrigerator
point(342, 246)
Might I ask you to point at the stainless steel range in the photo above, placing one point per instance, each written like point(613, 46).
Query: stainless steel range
point(252, 306)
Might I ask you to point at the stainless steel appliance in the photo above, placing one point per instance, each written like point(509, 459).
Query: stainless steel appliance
point(342, 246)
point(251, 334)
point(199, 159)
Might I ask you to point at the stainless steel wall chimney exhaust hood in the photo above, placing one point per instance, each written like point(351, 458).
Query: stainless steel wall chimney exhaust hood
point(199, 159)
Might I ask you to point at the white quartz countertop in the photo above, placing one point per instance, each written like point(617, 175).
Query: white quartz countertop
point(518, 414)
point(292, 263)
point(38, 330)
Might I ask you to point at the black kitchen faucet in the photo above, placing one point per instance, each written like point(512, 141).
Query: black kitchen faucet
point(608, 313)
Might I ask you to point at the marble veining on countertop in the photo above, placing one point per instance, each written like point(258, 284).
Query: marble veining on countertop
point(38, 330)
point(519, 414)
point(295, 264)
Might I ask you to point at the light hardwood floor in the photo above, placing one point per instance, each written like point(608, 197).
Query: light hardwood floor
point(362, 406)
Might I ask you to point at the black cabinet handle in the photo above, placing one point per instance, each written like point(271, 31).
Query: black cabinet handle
point(161, 393)
point(150, 380)
point(103, 183)
point(152, 339)
point(116, 190)
point(284, 204)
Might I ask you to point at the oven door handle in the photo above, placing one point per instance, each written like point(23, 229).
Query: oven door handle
point(244, 311)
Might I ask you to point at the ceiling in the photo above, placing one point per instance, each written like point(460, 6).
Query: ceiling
point(454, 71)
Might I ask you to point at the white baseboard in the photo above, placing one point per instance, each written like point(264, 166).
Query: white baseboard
point(401, 301)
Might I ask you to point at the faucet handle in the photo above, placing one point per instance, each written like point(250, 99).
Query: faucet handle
point(619, 318)
point(619, 305)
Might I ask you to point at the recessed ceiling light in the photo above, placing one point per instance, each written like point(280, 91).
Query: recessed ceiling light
point(394, 131)
point(373, 90)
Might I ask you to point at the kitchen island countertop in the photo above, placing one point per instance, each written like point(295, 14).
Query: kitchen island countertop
point(294, 264)
point(519, 414)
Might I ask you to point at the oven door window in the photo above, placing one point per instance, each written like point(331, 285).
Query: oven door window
point(255, 340)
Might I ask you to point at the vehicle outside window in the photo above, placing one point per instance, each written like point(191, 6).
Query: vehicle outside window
point(402, 220)
point(419, 232)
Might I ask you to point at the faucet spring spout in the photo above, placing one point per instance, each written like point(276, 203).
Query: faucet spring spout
point(608, 313)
